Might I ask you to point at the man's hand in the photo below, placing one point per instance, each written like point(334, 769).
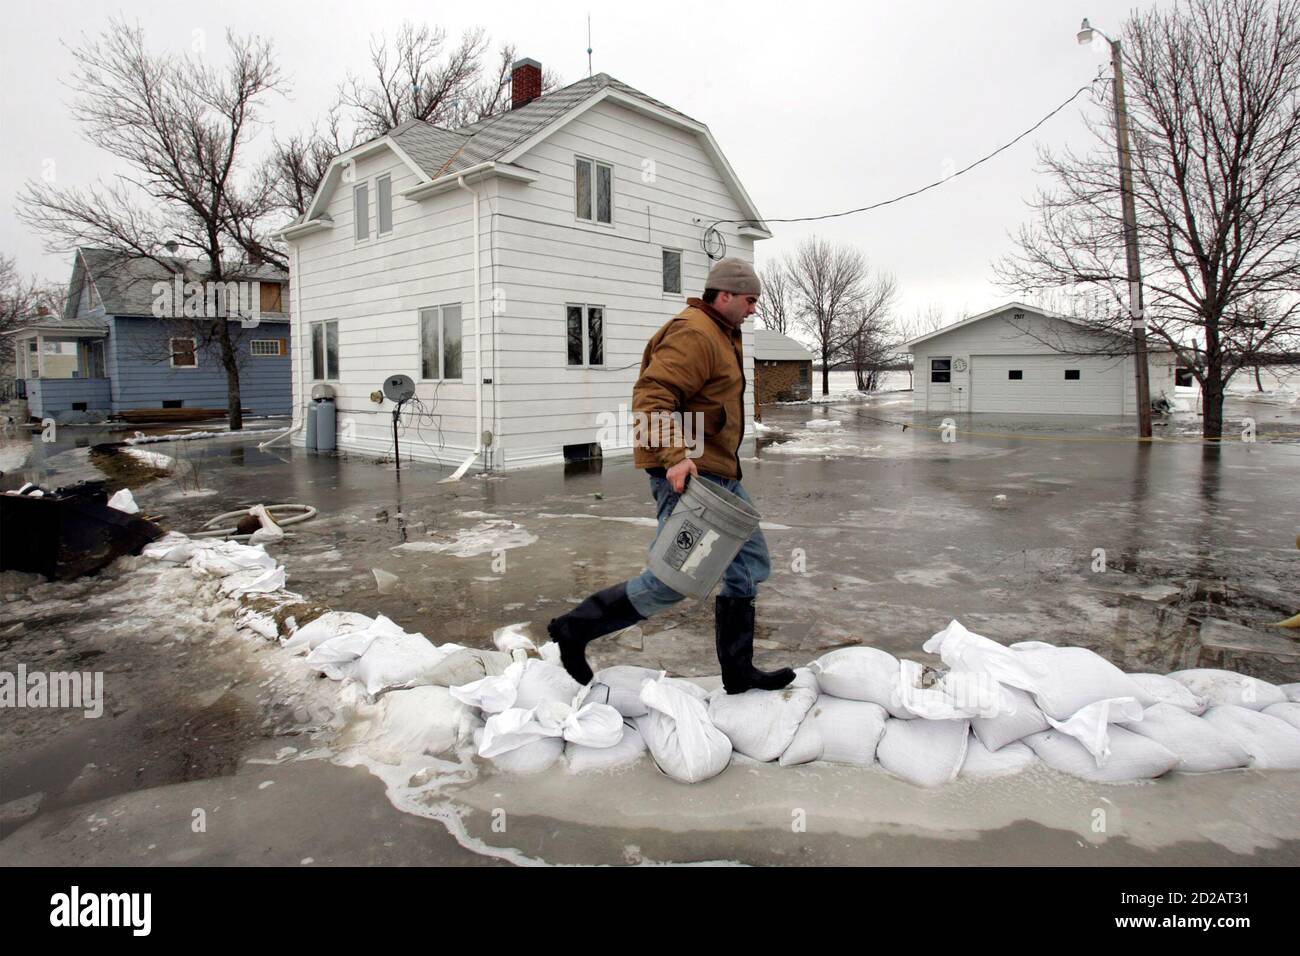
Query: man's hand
point(678, 472)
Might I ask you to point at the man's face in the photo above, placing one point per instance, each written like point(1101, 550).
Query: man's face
point(735, 308)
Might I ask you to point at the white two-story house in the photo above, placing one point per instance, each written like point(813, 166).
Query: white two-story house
point(514, 269)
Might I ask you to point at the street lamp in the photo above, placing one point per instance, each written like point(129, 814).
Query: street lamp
point(1137, 315)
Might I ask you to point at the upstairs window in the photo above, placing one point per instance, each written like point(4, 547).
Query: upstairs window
point(271, 298)
point(361, 209)
point(384, 205)
point(586, 334)
point(593, 189)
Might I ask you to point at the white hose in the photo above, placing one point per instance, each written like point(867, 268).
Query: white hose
point(297, 514)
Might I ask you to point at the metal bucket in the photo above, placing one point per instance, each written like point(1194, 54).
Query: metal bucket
point(707, 528)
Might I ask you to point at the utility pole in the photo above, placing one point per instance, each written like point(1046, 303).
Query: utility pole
point(1137, 311)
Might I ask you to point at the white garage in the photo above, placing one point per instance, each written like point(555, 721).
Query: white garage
point(1016, 359)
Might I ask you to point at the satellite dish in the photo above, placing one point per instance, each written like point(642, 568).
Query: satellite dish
point(399, 388)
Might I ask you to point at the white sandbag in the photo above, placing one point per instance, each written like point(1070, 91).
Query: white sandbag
point(687, 686)
point(1199, 745)
point(982, 762)
point(593, 725)
point(328, 626)
point(629, 749)
point(531, 758)
point(964, 650)
point(1221, 687)
point(1132, 756)
point(761, 723)
point(541, 681)
point(393, 662)
point(220, 558)
point(173, 547)
point(1090, 725)
point(268, 530)
point(511, 638)
point(253, 581)
point(624, 682)
point(122, 501)
point(956, 695)
point(517, 727)
point(550, 652)
point(928, 753)
point(681, 738)
point(492, 695)
point(1071, 678)
point(1166, 690)
point(836, 730)
point(337, 658)
point(997, 732)
point(1272, 743)
point(423, 720)
point(1292, 692)
point(1288, 711)
point(468, 664)
point(860, 673)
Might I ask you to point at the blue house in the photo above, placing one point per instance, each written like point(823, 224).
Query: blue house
point(137, 335)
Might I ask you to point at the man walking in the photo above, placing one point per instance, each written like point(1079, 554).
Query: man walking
point(693, 366)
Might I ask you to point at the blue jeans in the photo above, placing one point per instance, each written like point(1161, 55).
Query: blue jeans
point(750, 566)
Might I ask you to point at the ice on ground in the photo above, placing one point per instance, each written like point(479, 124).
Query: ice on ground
point(824, 441)
point(142, 439)
point(640, 522)
point(485, 537)
point(14, 456)
point(151, 458)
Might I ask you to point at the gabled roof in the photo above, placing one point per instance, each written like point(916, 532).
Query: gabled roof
point(1035, 310)
point(434, 153)
point(997, 310)
point(125, 284)
point(773, 346)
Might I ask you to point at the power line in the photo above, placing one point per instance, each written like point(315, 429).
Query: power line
point(916, 192)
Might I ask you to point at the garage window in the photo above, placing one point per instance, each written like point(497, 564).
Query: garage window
point(941, 370)
point(1015, 374)
point(1071, 374)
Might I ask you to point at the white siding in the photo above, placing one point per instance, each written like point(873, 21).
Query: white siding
point(549, 258)
point(375, 289)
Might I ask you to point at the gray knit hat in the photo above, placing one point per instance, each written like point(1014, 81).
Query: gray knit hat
point(734, 275)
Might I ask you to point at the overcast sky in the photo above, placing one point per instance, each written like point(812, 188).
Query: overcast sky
point(819, 107)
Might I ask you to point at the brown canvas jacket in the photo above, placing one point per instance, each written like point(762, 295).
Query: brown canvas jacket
point(693, 364)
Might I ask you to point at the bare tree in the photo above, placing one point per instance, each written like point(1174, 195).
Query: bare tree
point(776, 306)
point(180, 127)
point(837, 297)
point(22, 298)
point(1213, 89)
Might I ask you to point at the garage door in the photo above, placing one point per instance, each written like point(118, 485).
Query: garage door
point(1047, 384)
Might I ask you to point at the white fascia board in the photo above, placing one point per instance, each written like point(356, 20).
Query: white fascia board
point(474, 173)
point(292, 233)
point(334, 171)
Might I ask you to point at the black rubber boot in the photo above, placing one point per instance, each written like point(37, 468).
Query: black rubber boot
point(734, 631)
point(603, 613)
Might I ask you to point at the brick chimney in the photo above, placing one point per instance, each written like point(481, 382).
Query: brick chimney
point(525, 82)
